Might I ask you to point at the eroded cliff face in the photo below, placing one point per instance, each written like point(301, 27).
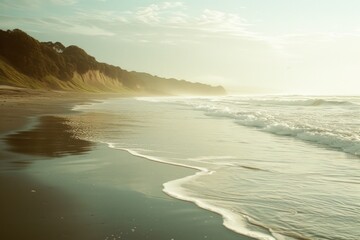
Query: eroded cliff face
point(91, 81)
point(94, 80)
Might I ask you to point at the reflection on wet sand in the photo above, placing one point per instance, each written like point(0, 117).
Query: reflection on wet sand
point(52, 137)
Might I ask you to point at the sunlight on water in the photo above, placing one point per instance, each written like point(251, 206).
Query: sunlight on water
point(274, 167)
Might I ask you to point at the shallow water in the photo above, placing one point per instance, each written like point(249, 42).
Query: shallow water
point(51, 137)
point(275, 167)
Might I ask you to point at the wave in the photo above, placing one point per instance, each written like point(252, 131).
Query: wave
point(316, 135)
point(231, 220)
point(284, 101)
point(308, 102)
point(346, 141)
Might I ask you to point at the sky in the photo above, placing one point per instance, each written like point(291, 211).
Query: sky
point(247, 46)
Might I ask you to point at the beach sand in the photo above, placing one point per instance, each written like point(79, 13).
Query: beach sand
point(54, 186)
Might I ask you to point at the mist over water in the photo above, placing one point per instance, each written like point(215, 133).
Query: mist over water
point(275, 167)
point(331, 121)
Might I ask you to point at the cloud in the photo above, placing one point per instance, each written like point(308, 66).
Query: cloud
point(161, 18)
point(165, 22)
point(19, 3)
point(52, 23)
point(218, 21)
point(88, 30)
point(101, 16)
point(172, 15)
point(154, 13)
point(149, 14)
point(64, 2)
point(172, 4)
point(23, 4)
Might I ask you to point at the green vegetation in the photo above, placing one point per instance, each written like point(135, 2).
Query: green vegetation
point(26, 62)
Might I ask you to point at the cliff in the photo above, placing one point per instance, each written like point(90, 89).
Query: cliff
point(26, 62)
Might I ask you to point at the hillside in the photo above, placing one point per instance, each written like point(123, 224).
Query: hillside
point(26, 62)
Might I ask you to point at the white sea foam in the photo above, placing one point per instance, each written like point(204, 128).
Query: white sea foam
point(232, 220)
point(307, 102)
point(312, 129)
point(90, 105)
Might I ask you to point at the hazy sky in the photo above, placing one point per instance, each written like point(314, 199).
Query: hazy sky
point(290, 46)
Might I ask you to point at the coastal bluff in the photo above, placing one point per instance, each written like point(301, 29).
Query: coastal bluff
point(28, 63)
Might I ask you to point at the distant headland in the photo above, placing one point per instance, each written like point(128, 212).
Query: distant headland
point(28, 63)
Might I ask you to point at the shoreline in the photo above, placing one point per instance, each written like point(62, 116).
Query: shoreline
point(173, 189)
point(230, 220)
point(13, 179)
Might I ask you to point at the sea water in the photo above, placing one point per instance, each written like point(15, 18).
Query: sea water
point(275, 167)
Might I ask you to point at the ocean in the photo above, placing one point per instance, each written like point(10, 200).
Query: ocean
point(274, 167)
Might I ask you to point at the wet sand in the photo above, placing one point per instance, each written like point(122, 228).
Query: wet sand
point(54, 186)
